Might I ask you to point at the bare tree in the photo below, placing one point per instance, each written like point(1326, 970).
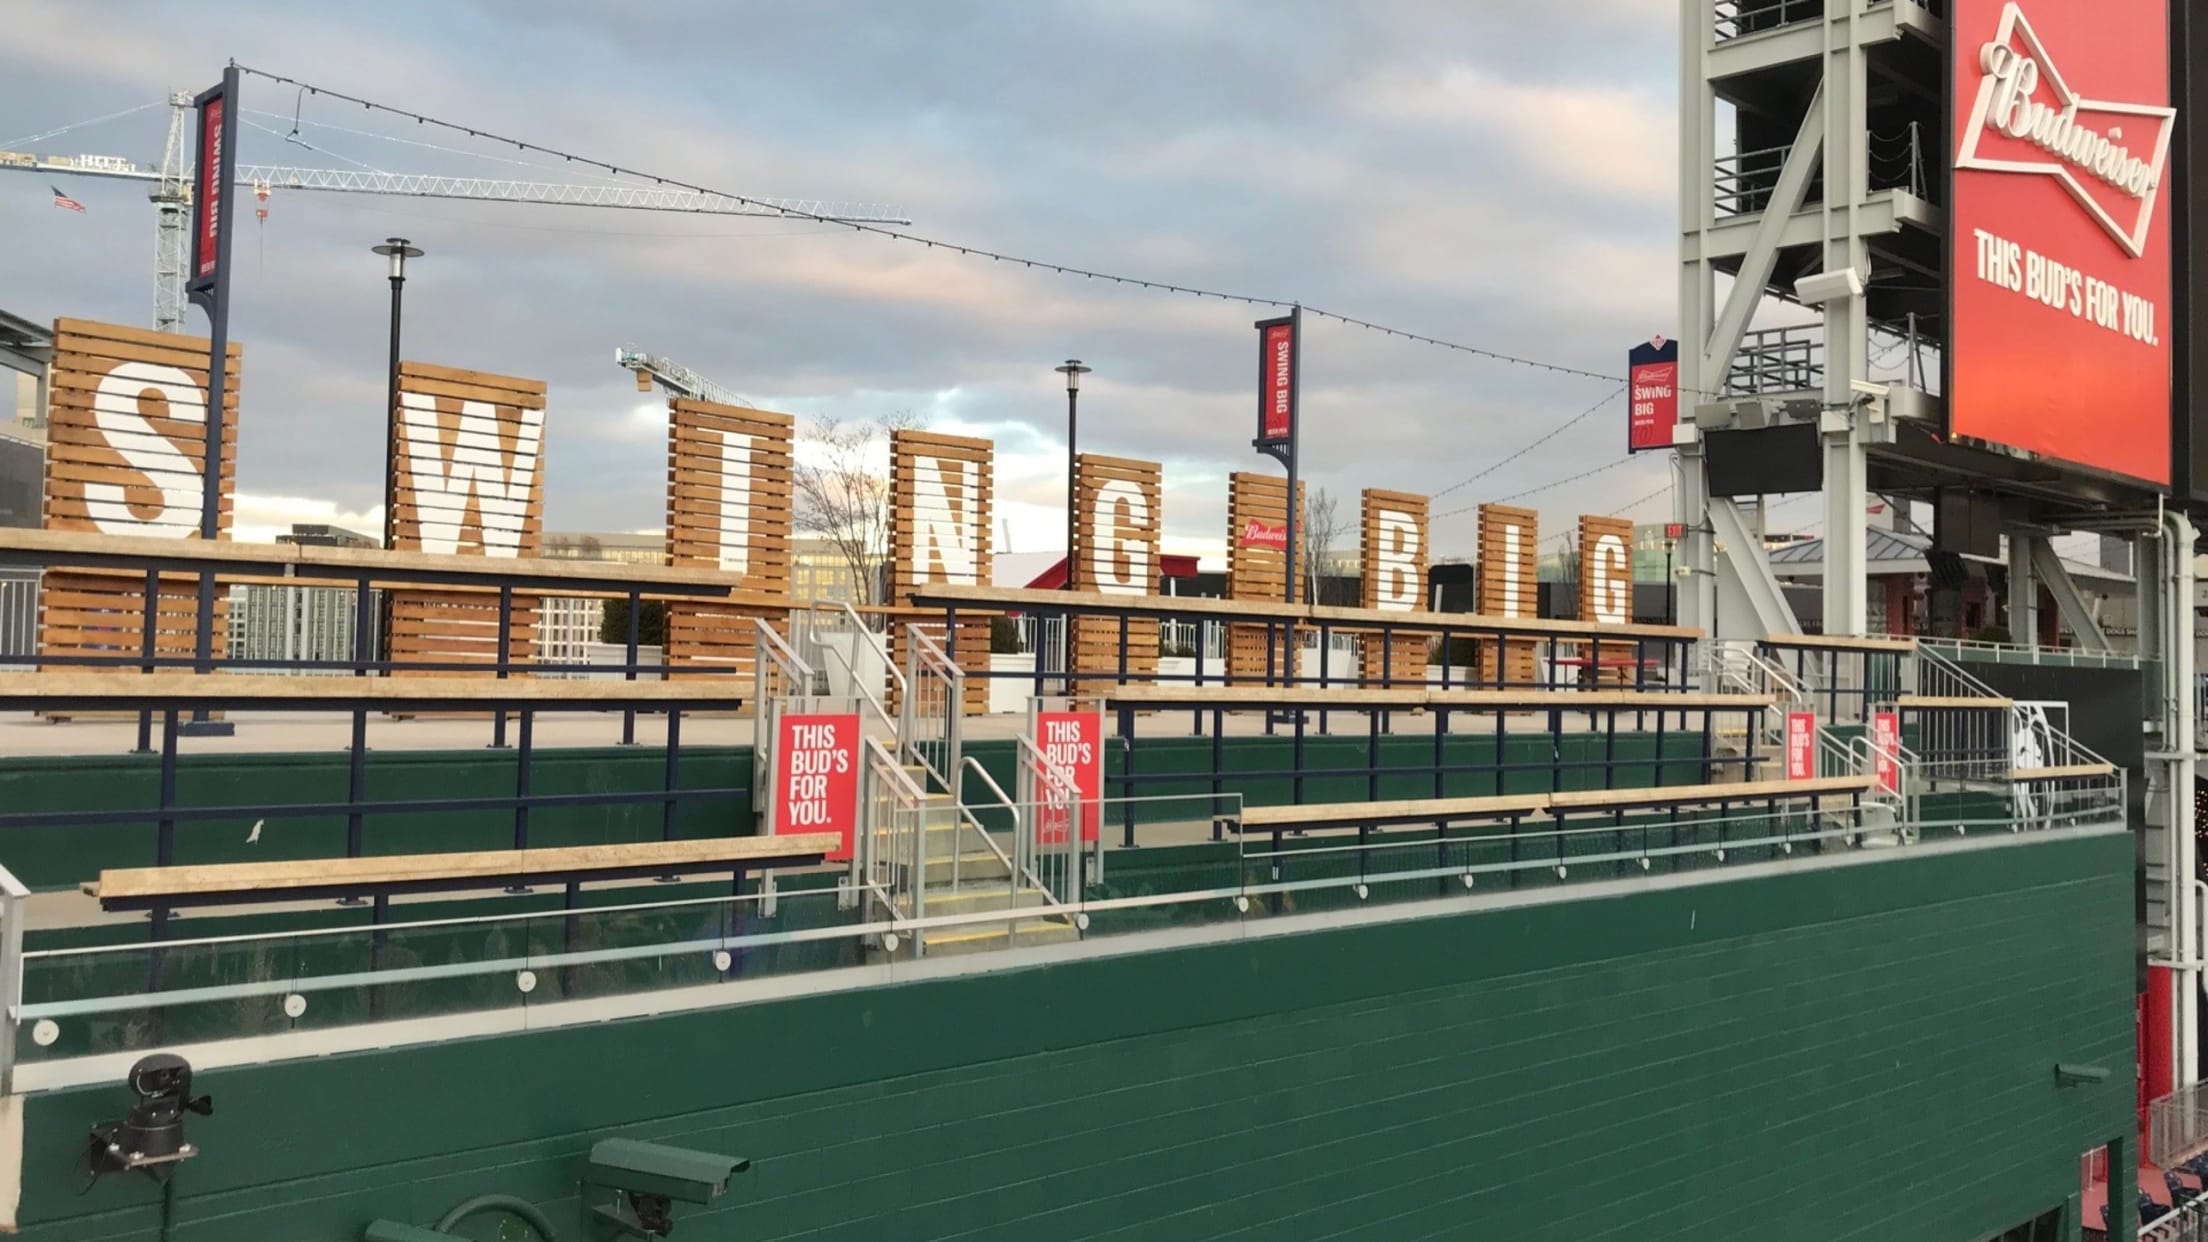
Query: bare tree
point(841, 480)
point(1325, 538)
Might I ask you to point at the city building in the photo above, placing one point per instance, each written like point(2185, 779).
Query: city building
point(820, 571)
point(283, 622)
point(567, 626)
point(22, 473)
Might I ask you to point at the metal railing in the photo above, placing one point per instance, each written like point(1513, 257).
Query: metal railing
point(1736, 19)
point(932, 709)
point(2177, 1125)
point(889, 857)
point(18, 612)
point(1053, 837)
point(777, 677)
point(1960, 651)
point(86, 1000)
point(850, 658)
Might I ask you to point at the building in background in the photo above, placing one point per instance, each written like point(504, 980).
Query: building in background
point(285, 622)
point(321, 536)
point(568, 627)
point(22, 474)
point(820, 571)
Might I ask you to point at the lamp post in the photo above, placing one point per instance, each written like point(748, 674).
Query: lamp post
point(398, 250)
point(1073, 371)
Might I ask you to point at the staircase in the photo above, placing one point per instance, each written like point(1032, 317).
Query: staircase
point(927, 854)
point(1737, 667)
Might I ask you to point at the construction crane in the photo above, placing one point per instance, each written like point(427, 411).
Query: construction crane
point(172, 198)
point(674, 377)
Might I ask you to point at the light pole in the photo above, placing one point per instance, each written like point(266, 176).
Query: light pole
point(398, 250)
point(1073, 371)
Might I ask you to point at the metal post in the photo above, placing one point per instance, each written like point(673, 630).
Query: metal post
point(1295, 430)
point(214, 296)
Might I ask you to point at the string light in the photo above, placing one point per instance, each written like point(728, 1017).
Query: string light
point(895, 234)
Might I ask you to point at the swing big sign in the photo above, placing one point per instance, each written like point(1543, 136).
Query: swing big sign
point(2059, 229)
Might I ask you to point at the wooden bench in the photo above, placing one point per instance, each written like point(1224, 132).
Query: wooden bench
point(126, 689)
point(1361, 815)
point(147, 888)
point(2069, 772)
point(1931, 702)
point(1314, 698)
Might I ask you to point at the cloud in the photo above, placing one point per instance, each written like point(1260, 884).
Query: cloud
point(1610, 138)
point(1444, 167)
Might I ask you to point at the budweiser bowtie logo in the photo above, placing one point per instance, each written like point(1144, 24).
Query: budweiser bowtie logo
point(2109, 156)
point(1264, 535)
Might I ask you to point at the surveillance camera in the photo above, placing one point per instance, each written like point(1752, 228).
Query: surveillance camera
point(650, 1179)
point(1829, 287)
point(150, 1138)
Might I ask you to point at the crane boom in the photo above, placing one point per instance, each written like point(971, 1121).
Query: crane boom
point(172, 198)
point(674, 377)
point(422, 185)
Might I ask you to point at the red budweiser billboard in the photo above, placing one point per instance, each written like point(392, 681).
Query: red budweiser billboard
point(2059, 230)
point(1652, 377)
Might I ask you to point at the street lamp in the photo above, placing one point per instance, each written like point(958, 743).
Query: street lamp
point(1073, 371)
point(398, 250)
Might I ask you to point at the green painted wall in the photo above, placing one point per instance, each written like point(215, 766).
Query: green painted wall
point(1859, 1052)
point(61, 857)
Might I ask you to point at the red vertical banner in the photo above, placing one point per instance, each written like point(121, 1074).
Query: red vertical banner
point(1276, 381)
point(1652, 379)
point(1073, 743)
point(1801, 746)
point(816, 777)
point(1886, 750)
point(210, 187)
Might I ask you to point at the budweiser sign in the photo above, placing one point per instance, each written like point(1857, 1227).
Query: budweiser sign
point(2110, 157)
point(1264, 535)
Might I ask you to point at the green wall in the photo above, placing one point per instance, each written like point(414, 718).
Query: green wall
point(1854, 1052)
point(60, 857)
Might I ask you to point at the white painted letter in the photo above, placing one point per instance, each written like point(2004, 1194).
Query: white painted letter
point(115, 410)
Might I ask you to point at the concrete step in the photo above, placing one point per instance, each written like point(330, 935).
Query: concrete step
point(975, 898)
point(976, 864)
point(1021, 934)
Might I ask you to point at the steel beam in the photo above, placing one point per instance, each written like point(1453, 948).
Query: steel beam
point(2069, 601)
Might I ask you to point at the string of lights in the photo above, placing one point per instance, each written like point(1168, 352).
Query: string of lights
point(898, 234)
point(1553, 433)
point(1535, 491)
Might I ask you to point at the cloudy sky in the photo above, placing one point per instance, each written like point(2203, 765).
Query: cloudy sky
point(1485, 171)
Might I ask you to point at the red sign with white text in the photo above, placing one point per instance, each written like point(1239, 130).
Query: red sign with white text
point(1073, 742)
point(1801, 746)
point(1264, 535)
point(2059, 231)
point(209, 189)
point(1886, 750)
point(816, 777)
point(1652, 379)
point(1276, 381)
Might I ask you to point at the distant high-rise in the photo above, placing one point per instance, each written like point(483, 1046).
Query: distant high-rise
point(323, 536)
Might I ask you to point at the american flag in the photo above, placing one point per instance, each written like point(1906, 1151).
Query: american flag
point(63, 200)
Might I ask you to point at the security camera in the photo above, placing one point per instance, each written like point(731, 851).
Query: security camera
point(1829, 287)
point(650, 1178)
point(150, 1138)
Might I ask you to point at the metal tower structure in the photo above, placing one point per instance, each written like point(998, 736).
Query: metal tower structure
point(172, 197)
point(172, 207)
point(1815, 198)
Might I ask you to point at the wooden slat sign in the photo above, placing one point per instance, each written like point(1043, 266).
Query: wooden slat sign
point(467, 450)
point(1606, 570)
point(127, 427)
point(1509, 585)
point(728, 508)
point(1257, 567)
point(127, 455)
point(940, 494)
point(1119, 519)
point(1393, 548)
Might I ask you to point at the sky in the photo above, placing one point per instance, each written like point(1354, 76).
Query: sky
point(1484, 171)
